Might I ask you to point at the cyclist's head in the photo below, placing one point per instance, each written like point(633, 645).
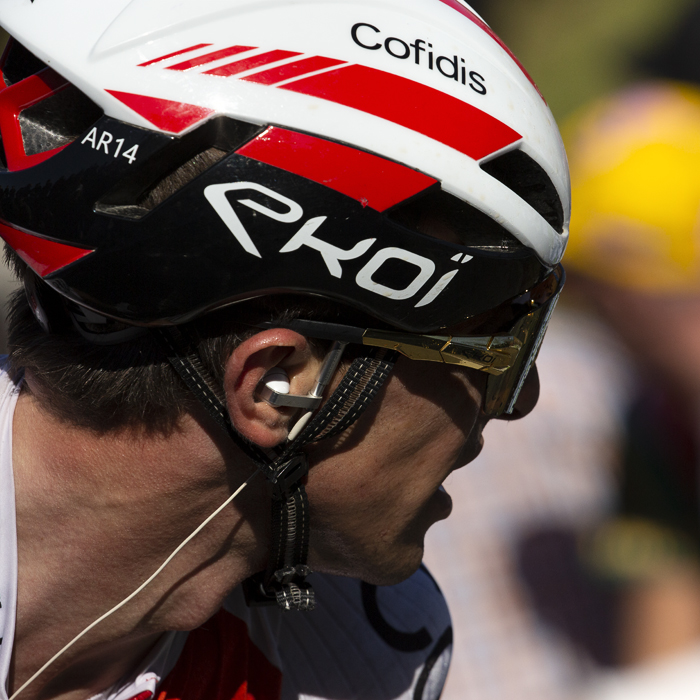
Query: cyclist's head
point(396, 161)
point(178, 177)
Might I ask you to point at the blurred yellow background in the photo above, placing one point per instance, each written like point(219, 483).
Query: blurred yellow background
point(576, 51)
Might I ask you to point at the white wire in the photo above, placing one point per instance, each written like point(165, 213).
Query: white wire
point(137, 591)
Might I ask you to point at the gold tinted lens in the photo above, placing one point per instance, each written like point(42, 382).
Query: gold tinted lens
point(492, 354)
point(506, 356)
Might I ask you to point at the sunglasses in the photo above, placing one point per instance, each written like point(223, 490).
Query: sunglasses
point(503, 342)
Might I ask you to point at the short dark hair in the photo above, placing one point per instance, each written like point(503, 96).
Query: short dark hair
point(132, 384)
point(108, 388)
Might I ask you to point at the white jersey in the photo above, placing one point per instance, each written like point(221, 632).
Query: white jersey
point(361, 641)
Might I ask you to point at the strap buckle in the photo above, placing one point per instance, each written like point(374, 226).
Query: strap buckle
point(289, 474)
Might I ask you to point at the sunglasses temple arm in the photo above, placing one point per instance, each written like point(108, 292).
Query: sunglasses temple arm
point(330, 364)
point(321, 330)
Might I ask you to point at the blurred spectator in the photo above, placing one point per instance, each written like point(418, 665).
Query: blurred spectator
point(536, 605)
point(537, 481)
point(630, 592)
point(635, 160)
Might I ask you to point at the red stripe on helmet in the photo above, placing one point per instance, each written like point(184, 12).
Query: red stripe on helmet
point(210, 57)
point(172, 55)
point(373, 181)
point(456, 5)
point(261, 59)
point(13, 100)
point(292, 70)
point(165, 114)
point(412, 105)
point(42, 255)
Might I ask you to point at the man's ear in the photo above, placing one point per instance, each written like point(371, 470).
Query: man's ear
point(248, 364)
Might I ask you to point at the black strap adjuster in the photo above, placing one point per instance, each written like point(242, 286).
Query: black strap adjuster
point(289, 474)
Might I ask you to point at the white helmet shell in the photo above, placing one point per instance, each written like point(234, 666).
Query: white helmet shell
point(458, 97)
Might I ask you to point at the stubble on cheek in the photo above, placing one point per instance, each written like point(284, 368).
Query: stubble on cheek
point(368, 532)
point(382, 560)
point(370, 496)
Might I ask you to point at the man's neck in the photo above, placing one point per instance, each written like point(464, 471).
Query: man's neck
point(96, 515)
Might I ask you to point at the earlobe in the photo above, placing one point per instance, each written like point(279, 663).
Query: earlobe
point(282, 349)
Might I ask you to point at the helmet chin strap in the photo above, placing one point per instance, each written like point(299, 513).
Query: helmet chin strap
point(285, 467)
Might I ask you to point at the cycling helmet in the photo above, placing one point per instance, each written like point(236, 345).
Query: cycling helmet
point(161, 161)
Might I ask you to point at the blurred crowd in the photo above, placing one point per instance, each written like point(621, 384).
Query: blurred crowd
point(571, 561)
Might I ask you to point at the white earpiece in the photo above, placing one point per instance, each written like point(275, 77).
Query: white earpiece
point(274, 389)
point(277, 380)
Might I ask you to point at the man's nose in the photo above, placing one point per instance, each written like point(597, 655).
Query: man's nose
point(528, 397)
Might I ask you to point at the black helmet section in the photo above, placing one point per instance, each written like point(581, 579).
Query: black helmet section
point(40, 112)
point(149, 244)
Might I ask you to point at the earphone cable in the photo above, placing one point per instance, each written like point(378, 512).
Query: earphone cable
point(137, 591)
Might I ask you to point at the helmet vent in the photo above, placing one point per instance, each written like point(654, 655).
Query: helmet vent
point(520, 173)
point(441, 215)
point(168, 173)
point(19, 63)
point(166, 187)
point(174, 182)
point(57, 120)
